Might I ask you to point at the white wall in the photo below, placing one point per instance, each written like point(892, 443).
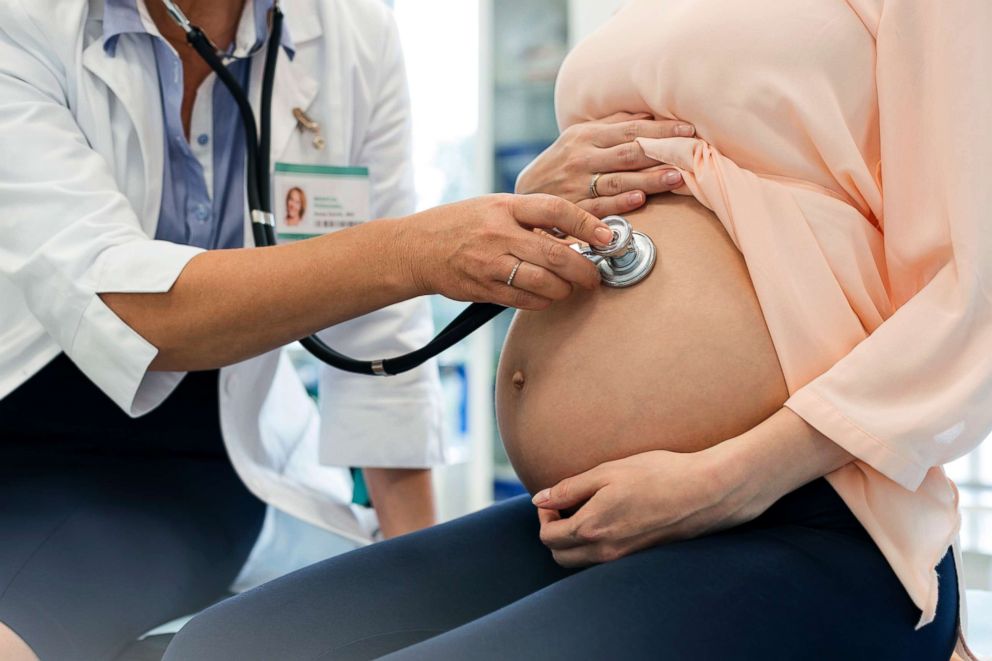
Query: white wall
point(452, 159)
point(584, 16)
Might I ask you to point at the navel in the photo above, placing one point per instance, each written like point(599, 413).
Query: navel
point(518, 380)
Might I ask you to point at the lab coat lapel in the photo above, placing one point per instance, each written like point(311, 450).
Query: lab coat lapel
point(125, 75)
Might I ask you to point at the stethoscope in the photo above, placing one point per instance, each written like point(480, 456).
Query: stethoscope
point(628, 259)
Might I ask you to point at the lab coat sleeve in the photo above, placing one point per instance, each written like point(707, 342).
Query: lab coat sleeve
point(917, 392)
point(68, 233)
point(395, 421)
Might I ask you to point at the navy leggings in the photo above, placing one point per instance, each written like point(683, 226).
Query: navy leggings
point(803, 581)
point(110, 526)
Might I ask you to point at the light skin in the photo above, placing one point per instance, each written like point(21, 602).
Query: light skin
point(693, 363)
point(12, 647)
point(218, 19)
point(656, 497)
point(627, 175)
point(403, 499)
point(294, 204)
point(216, 314)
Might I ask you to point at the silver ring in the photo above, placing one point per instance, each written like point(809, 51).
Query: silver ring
point(513, 273)
point(592, 185)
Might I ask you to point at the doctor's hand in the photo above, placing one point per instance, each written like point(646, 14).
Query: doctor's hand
point(487, 250)
point(644, 500)
point(606, 148)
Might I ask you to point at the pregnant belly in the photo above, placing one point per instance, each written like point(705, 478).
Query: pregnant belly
point(680, 362)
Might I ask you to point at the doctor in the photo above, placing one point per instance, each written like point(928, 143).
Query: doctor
point(140, 342)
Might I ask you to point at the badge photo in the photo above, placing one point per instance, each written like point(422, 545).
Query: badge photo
point(311, 200)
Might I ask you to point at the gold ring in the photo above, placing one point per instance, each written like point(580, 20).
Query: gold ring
point(513, 273)
point(592, 185)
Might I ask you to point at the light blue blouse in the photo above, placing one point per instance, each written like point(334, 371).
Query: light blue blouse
point(197, 209)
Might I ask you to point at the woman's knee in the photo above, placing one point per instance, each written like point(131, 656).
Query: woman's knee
point(209, 635)
point(13, 647)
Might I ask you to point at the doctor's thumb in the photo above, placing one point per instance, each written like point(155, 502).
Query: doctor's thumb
point(554, 213)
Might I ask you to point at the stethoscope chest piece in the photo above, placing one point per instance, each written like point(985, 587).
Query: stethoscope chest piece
point(628, 259)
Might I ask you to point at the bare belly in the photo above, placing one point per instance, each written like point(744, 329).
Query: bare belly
point(680, 362)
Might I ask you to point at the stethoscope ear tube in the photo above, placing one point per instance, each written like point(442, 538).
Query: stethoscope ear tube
point(265, 115)
point(260, 202)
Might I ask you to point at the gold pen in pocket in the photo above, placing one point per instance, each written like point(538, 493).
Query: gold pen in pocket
point(305, 123)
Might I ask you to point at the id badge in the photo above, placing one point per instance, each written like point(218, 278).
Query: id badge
point(310, 200)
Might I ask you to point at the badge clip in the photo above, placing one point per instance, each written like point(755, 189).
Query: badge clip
point(305, 123)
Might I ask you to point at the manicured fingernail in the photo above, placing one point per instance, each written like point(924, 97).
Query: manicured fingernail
point(636, 198)
point(542, 497)
point(685, 130)
point(604, 235)
point(673, 177)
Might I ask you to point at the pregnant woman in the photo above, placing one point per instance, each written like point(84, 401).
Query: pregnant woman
point(740, 457)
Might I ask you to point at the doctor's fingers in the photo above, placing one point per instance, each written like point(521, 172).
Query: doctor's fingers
point(556, 259)
point(549, 212)
point(513, 297)
point(532, 278)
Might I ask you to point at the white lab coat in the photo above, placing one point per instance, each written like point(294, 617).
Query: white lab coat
point(81, 159)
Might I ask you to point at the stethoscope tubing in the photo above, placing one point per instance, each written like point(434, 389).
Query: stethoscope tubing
point(258, 149)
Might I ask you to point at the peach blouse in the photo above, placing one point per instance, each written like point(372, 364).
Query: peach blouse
point(846, 146)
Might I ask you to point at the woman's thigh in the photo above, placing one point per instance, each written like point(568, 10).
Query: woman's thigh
point(381, 598)
point(95, 552)
point(777, 589)
point(802, 581)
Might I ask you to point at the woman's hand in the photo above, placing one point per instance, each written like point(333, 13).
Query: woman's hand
point(641, 501)
point(469, 250)
point(657, 497)
point(607, 147)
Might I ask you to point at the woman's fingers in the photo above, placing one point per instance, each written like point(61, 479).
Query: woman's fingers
point(560, 537)
point(622, 192)
point(567, 167)
point(572, 491)
point(547, 516)
point(584, 556)
point(615, 205)
point(650, 182)
point(618, 133)
point(586, 529)
point(560, 534)
point(626, 157)
point(622, 116)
